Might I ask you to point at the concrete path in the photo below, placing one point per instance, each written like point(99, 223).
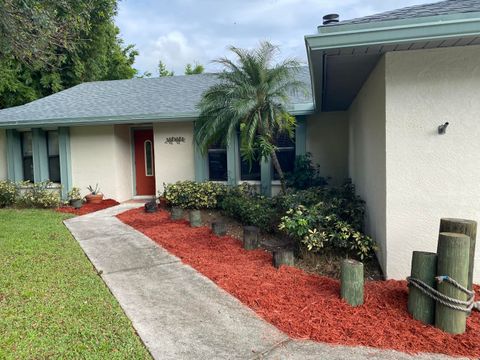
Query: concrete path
point(179, 313)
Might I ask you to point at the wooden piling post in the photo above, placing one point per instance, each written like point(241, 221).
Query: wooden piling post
point(351, 282)
point(469, 228)
point(424, 268)
point(283, 257)
point(195, 218)
point(177, 213)
point(219, 228)
point(452, 260)
point(251, 237)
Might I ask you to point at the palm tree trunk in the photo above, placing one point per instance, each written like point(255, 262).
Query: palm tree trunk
point(276, 165)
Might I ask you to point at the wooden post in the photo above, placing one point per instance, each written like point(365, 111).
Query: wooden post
point(469, 228)
point(250, 237)
point(219, 228)
point(453, 254)
point(424, 268)
point(177, 213)
point(283, 257)
point(351, 282)
point(195, 218)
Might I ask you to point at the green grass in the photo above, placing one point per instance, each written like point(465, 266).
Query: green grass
point(52, 303)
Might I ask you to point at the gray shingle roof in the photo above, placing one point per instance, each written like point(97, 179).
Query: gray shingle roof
point(167, 97)
point(447, 7)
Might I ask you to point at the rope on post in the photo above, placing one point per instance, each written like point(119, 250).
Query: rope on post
point(460, 305)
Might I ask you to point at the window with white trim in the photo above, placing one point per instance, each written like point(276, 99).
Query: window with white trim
point(148, 158)
point(286, 154)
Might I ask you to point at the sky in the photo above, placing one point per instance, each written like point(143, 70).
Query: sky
point(188, 31)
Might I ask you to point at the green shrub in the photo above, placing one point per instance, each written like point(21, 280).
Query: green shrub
point(328, 217)
point(193, 195)
point(305, 175)
point(250, 209)
point(39, 195)
point(8, 193)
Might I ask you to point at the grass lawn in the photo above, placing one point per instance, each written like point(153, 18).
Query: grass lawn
point(52, 303)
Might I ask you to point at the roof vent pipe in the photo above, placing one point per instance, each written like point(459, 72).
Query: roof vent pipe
point(330, 19)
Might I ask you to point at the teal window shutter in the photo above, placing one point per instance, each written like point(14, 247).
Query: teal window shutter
point(40, 155)
point(200, 164)
point(65, 160)
point(266, 177)
point(14, 156)
point(232, 160)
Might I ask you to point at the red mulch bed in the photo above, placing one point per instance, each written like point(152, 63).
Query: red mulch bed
point(88, 208)
point(305, 306)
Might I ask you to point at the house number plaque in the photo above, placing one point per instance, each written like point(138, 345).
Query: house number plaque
point(174, 139)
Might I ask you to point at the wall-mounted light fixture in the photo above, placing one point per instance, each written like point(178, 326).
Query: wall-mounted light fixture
point(442, 129)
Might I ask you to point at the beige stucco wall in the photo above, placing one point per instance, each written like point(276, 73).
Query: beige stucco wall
point(173, 162)
point(430, 176)
point(327, 141)
point(101, 154)
point(367, 154)
point(3, 155)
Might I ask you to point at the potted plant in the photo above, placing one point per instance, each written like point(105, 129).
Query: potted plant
point(74, 198)
point(95, 196)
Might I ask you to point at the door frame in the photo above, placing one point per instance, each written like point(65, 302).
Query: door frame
point(132, 155)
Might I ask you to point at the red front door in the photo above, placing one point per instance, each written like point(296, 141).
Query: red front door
point(144, 162)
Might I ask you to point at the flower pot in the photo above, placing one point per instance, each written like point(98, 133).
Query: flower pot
point(76, 203)
point(195, 218)
point(94, 199)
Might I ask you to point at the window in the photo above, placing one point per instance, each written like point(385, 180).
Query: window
point(249, 171)
point(285, 154)
point(53, 157)
point(148, 158)
point(217, 163)
point(27, 156)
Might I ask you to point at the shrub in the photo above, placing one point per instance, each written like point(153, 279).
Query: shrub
point(305, 175)
point(8, 193)
point(193, 195)
point(39, 195)
point(331, 217)
point(250, 209)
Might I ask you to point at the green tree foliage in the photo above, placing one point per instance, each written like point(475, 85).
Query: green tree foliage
point(251, 96)
point(195, 69)
point(162, 70)
point(84, 45)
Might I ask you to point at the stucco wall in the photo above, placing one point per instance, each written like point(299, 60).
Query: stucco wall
point(430, 176)
point(98, 155)
point(367, 154)
point(327, 141)
point(3, 155)
point(173, 162)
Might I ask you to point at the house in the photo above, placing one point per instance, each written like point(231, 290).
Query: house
point(399, 79)
point(394, 105)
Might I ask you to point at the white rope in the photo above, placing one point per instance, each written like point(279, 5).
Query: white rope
point(460, 305)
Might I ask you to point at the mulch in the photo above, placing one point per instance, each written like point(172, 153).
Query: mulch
point(88, 208)
point(303, 305)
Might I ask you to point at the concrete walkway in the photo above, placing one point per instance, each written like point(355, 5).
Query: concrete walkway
point(179, 313)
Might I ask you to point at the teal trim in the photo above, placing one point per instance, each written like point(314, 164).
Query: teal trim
point(40, 155)
point(266, 177)
point(301, 136)
point(14, 156)
point(201, 164)
point(65, 160)
point(233, 161)
point(424, 31)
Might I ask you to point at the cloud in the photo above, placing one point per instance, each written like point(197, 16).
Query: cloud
point(184, 31)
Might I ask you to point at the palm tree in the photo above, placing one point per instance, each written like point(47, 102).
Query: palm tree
point(251, 97)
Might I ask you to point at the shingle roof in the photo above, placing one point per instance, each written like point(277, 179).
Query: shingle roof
point(447, 7)
point(167, 97)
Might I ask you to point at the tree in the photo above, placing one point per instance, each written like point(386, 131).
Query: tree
point(193, 70)
point(96, 52)
point(251, 96)
point(162, 70)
